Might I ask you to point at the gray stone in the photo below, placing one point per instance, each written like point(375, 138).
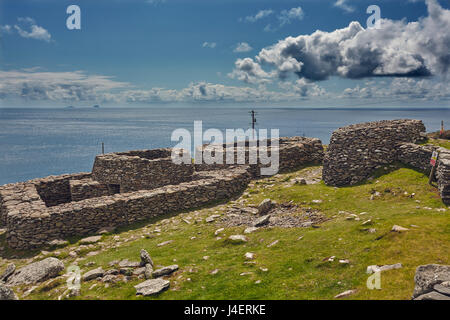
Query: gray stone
point(250, 230)
point(433, 295)
point(152, 287)
point(58, 243)
point(8, 272)
point(148, 271)
point(396, 228)
point(36, 272)
point(93, 274)
point(90, 240)
point(7, 293)
point(442, 289)
point(262, 221)
point(164, 271)
point(125, 263)
point(145, 258)
point(139, 271)
point(265, 206)
point(429, 275)
point(237, 238)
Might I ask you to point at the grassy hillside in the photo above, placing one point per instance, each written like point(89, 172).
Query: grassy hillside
point(296, 267)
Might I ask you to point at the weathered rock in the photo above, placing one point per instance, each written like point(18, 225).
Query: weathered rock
point(238, 238)
point(58, 243)
point(90, 240)
point(7, 293)
point(93, 274)
point(8, 272)
point(265, 206)
point(164, 271)
point(152, 287)
point(250, 230)
point(164, 243)
point(36, 272)
point(125, 263)
point(442, 289)
point(396, 228)
point(148, 271)
point(250, 256)
point(145, 258)
point(262, 221)
point(427, 276)
point(345, 294)
point(433, 295)
point(110, 278)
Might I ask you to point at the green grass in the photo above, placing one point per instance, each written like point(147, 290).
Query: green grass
point(440, 142)
point(296, 269)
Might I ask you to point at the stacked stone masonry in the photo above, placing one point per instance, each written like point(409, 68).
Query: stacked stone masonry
point(124, 188)
point(293, 153)
point(443, 174)
point(356, 151)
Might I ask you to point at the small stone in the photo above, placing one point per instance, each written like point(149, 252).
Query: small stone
point(345, 294)
point(262, 221)
point(250, 230)
point(205, 257)
point(250, 256)
point(238, 238)
point(272, 244)
point(257, 281)
point(433, 296)
point(145, 258)
point(265, 206)
point(246, 273)
point(399, 229)
point(164, 271)
point(58, 243)
point(365, 223)
point(218, 231)
point(125, 263)
point(317, 201)
point(7, 293)
point(90, 240)
point(344, 261)
point(152, 287)
point(139, 271)
point(215, 271)
point(164, 243)
point(8, 272)
point(93, 274)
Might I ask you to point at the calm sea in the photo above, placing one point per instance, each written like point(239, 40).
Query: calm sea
point(40, 142)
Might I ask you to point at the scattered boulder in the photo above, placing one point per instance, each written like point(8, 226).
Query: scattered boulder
point(218, 231)
point(433, 295)
point(148, 271)
point(152, 287)
point(93, 274)
point(90, 240)
point(265, 206)
point(36, 272)
point(272, 244)
point(262, 221)
point(164, 271)
point(8, 272)
point(125, 263)
point(427, 276)
point(145, 258)
point(7, 293)
point(238, 238)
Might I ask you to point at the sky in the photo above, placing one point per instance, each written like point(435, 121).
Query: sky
point(225, 53)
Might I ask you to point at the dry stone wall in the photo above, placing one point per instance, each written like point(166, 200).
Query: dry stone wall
point(140, 170)
point(293, 153)
point(34, 225)
point(417, 156)
point(88, 188)
point(355, 151)
point(443, 174)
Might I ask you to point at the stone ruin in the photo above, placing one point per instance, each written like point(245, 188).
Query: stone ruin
point(127, 187)
point(356, 151)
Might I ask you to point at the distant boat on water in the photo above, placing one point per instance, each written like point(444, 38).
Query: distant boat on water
point(96, 106)
point(70, 107)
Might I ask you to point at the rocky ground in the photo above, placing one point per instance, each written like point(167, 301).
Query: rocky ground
point(277, 219)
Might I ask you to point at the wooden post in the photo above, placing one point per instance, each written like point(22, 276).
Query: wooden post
point(103, 148)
